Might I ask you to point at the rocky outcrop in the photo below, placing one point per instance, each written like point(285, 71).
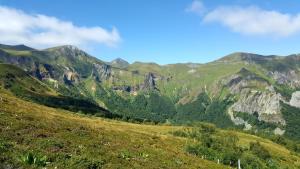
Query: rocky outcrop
point(255, 96)
point(243, 79)
point(291, 78)
point(265, 104)
point(71, 77)
point(103, 71)
point(22, 61)
point(295, 100)
point(42, 71)
point(149, 82)
point(279, 131)
point(238, 120)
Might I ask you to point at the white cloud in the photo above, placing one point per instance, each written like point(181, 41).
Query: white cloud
point(40, 31)
point(196, 7)
point(255, 21)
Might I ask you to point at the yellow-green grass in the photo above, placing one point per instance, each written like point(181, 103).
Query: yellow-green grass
point(280, 153)
point(18, 52)
point(69, 140)
point(73, 140)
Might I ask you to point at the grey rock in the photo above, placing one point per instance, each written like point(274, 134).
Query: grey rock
point(265, 104)
point(71, 77)
point(103, 71)
point(295, 100)
point(149, 82)
point(291, 78)
point(279, 131)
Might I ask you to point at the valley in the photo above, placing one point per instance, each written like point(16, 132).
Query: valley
point(61, 107)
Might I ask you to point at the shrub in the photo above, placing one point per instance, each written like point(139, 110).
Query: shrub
point(250, 161)
point(257, 149)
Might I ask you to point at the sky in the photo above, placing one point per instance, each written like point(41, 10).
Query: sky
point(161, 31)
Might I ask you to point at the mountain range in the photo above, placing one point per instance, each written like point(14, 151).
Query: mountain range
point(242, 90)
point(63, 108)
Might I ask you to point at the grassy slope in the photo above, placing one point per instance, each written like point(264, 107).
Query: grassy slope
point(73, 141)
point(76, 141)
point(19, 80)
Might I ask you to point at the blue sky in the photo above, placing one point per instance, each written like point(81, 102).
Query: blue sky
point(161, 31)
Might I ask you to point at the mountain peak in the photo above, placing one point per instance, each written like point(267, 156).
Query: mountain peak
point(20, 47)
point(65, 47)
point(119, 62)
point(243, 56)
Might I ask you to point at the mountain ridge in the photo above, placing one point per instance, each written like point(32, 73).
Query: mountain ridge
point(148, 91)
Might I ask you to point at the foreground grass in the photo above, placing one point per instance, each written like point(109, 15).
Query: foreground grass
point(68, 140)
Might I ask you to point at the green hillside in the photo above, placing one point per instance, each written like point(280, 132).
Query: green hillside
point(241, 91)
point(34, 136)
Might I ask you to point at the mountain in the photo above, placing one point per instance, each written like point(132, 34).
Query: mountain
point(241, 90)
point(120, 63)
point(37, 136)
point(55, 105)
point(24, 86)
point(16, 47)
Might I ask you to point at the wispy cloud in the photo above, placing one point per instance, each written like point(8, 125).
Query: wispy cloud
point(255, 21)
point(40, 31)
point(196, 7)
point(250, 20)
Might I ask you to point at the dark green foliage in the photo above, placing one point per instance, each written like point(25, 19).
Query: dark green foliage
point(150, 106)
point(292, 118)
point(216, 113)
point(250, 161)
point(204, 109)
point(284, 90)
point(257, 149)
point(212, 145)
point(253, 120)
point(192, 111)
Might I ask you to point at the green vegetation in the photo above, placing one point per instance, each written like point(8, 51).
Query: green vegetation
point(207, 142)
point(204, 109)
point(26, 87)
point(255, 123)
point(291, 115)
point(149, 106)
point(62, 139)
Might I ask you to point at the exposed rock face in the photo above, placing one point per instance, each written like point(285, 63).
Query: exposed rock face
point(266, 104)
point(279, 131)
point(264, 100)
point(295, 100)
point(21, 61)
point(243, 79)
point(104, 71)
point(239, 120)
point(71, 77)
point(291, 78)
point(43, 71)
point(149, 82)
